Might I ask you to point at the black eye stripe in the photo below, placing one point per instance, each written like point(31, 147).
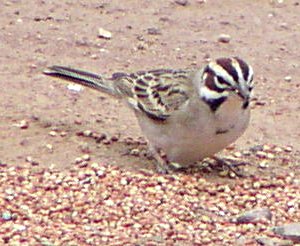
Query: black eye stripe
point(210, 83)
point(223, 81)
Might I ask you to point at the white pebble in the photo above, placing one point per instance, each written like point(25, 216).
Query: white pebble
point(102, 33)
point(288, 78)
point(224, 38)
point(74, 87)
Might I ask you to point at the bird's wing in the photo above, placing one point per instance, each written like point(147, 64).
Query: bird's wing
point(157, 93)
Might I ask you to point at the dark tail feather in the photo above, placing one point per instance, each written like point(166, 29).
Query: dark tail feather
point(84, 78)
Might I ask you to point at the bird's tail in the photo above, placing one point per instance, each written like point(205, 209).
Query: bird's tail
point(84, 78)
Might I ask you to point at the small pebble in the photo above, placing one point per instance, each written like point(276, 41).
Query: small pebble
point(238, 154)
point(182, 2)
point(94, 56)
point(254, 215)
point(78, 160)
point(123, 181)
point(52, 133)
point(102, 33)
point(84, 148)
point(77, 122)
point(135, 152)
point(49, 147)
point(261, 154)
point(30, 160)
point(268, 241)
point(270, 156)
point(288, 149)
point(83, 164)
point(74, 87)
point(86, 157)
point(87, 133)
point(264, 164)
point(23, 124)
point(114, 138)
point(100, 173)
point(154, 31)
point(99, 138)
point(224, 38)
point(288, 78)
point(6, 216)
point(107, 141)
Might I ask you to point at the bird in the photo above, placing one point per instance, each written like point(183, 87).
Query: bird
point(186, 115)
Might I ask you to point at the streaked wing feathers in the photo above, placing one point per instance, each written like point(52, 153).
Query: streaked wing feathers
point(157, 92)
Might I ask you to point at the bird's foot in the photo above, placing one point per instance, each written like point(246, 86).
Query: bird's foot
point(229, 167)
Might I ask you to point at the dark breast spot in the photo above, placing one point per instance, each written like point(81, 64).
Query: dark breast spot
point(214, 104)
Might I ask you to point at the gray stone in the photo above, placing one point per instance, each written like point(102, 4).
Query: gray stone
point(254, 215)
point(289, 231)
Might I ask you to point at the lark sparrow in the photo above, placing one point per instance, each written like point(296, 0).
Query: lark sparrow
point(187, 114)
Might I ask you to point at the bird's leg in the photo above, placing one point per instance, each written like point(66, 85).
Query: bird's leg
point(161, 161)
point(163, 165)
point(231, 165)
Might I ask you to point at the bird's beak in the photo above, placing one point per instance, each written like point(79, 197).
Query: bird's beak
point(244, 94)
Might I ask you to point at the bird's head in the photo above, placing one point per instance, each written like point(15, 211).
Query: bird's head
point(224, 77)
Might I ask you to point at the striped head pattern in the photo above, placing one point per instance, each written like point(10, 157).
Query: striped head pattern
point(225, 76)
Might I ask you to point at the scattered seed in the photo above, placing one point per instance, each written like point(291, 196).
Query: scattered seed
point(135, 152)
point(49, 147)
point(86, 157)
point(264, 164)
point(87, 133)
point(78, 160)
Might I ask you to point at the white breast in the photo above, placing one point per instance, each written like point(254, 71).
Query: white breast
point(195, 132)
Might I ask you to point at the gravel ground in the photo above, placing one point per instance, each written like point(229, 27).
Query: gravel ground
point(96, 204)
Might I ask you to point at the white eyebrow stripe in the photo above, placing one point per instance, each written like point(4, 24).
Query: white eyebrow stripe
point(239, 71)
point(211, 94)
point(218, 84)
point(250, 75)
point(221, 72)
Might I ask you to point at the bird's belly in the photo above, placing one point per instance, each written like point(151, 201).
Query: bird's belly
point(195, 146)
point(187, 143)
